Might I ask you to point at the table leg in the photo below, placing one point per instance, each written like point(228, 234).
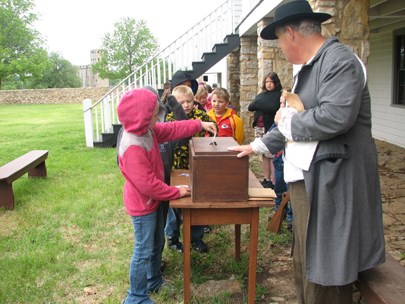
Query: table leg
point(186, 253)
point(237, 242)
point(254, 239)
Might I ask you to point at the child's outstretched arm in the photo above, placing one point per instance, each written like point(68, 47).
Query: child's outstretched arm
point(209, 127)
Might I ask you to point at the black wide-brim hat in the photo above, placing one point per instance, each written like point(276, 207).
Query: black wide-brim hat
point(292, 11)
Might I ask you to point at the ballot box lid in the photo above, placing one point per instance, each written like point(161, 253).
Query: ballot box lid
point(208, 146)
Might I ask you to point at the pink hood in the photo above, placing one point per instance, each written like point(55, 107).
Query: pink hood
point(135, 110)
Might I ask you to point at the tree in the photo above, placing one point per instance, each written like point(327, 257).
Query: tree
point(58, 73)
point(21, 54)
point(127, 48)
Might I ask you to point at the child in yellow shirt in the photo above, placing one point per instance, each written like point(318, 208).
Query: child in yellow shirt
point(228, 122)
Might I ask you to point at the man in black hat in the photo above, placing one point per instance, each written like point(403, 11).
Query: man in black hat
point(330, 159)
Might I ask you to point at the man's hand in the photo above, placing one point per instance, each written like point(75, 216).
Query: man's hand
point(277, 117)
point(294, 101)
point(209, 126)
point(245, 150)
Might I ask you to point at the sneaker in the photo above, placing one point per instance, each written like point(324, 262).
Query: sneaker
point(199, 246)
point(163, 265)
point(174, 244)
point(207, 229)
point(267, 184)
point(289, 227)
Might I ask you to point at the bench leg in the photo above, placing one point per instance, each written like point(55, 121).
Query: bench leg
point(6, 195)
point(39, 170)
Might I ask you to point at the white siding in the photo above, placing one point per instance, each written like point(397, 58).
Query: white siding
point(388, 120)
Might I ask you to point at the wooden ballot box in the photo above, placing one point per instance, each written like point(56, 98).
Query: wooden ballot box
point(216, 174)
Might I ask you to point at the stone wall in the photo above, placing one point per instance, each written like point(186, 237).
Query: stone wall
point(349, 23)
point(49, 96)
point(272, 59)
point(248, 81)
point(234, 79)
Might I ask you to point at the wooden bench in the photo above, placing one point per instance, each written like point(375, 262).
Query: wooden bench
point(384, 284)
point(32, 163)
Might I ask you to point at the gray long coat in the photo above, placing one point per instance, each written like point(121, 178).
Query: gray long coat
point(345, 230)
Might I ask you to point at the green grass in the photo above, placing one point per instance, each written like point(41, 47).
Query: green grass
point(69, 239)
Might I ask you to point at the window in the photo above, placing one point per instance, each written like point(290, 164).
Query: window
point(399, 67)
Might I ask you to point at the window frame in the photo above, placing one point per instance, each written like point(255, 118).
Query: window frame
point(398, 36)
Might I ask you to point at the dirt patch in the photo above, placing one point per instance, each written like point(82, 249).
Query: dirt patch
point(391, 161)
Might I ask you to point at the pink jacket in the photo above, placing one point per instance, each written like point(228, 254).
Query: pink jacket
point(139, 156)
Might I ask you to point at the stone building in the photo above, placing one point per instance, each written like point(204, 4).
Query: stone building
point(89, 79)
point(375, 30)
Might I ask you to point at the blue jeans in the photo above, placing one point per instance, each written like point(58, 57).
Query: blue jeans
point(173, 223)
point(280, 186)
point(144, 272)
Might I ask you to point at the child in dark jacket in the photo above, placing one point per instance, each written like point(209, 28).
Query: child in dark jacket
point(141, 165)
point(185, 97)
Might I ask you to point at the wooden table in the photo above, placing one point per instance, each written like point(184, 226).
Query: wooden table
point(220, 213)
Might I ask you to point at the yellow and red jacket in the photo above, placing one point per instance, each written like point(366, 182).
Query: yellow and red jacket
point(229, 125)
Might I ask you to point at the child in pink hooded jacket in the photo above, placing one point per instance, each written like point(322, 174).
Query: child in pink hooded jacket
point(141, 165)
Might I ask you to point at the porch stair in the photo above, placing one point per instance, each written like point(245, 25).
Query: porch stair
point(108, 139)
point(219, 51)
point(208, 60)
point(197, 50)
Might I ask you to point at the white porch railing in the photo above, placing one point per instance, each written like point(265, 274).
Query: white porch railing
point(179, 55)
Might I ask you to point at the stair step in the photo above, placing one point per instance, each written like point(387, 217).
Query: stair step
point(209, 56)
point(220, 50)
point(217, 47)
point(232, 39)
point(108, 140)
point(98, 144)
point(116, 128)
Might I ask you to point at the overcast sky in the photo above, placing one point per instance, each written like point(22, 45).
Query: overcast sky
point(74, 27)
